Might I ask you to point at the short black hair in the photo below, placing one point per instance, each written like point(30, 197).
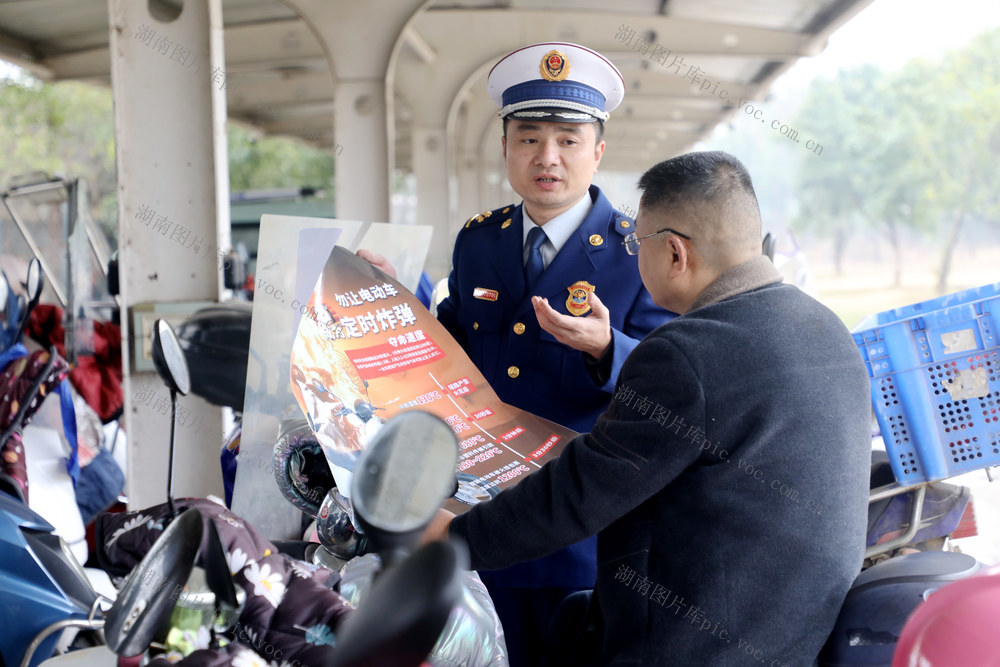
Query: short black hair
point(710, 177)
point(599, 129)
point(711, 197)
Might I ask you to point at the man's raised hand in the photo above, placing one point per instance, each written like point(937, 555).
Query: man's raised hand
point(588, 334)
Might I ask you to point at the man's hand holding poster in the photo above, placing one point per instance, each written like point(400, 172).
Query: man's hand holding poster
point(367, 350)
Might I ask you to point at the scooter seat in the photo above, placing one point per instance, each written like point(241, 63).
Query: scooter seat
point(880, 600)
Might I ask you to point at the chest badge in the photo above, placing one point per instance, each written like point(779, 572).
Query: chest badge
point(486, 294)
point(579, 293)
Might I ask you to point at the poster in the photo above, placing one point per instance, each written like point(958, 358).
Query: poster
point(366, 350)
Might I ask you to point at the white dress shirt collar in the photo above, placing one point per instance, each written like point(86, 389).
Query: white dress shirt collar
point(558, 229)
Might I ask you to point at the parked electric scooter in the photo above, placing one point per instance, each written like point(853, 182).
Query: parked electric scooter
point(41, 582)
point(34, 453)
point(901, 520)
point(14, 314)
point(409, 473)
point(216, 343)
point(44, 590)
point(406, 473)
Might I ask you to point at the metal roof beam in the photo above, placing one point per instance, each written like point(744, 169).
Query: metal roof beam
point(680, 35)
point(279, 45)
point(22, 53)
point(415, 41)
point(272, 93)
point(281, 41)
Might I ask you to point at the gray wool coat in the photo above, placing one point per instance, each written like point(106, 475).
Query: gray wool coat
point(727, 483)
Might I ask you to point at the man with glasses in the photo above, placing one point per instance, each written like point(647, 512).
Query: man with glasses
point(728, 480)
point(523, 291)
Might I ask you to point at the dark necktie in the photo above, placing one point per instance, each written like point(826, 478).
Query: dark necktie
point(535, 265)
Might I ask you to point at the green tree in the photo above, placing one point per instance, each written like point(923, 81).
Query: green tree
point(275, 162)
point(912, 149)
point(67, 128)
point(831, 187)
point(64, 128)
point(897, 171)
point(965, 141)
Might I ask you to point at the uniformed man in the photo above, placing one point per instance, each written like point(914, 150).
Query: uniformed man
point(523, 291)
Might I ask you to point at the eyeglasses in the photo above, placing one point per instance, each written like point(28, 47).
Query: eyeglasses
point(631, 241)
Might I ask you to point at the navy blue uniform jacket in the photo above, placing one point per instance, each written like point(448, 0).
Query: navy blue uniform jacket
point(727, 483)
point(551, 380)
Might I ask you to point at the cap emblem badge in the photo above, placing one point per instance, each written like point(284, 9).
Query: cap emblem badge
point(554, 66)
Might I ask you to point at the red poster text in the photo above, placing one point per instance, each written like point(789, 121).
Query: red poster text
point(480, 414)
point(510, 435)
point(546, 446)
point(460, 387)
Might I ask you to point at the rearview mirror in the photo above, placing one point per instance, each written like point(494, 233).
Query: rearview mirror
point(148, 595)
point(34, 284)
point(401, 480)
point(168, 358)
point(4, 298)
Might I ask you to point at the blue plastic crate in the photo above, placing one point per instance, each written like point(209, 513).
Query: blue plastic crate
point(935, 371)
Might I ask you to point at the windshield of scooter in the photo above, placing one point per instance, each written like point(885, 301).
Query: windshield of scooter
point(50, 219)
point(291, 256)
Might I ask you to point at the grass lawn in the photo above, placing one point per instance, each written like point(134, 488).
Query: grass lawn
point(866, 285)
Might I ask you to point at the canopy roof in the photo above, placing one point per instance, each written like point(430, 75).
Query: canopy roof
point(678, 56)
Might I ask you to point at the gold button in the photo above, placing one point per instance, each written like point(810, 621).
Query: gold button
point(505, 224)
point(505, 210)
point(625, 224)
point(519, 328)
point(513, 371)
point(475, 326)
point(596, 239)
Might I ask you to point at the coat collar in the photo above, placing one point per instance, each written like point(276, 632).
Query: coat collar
point(749, 275)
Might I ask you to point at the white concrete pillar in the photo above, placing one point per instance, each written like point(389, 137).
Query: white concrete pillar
point(430, 164)
point(168, 82)
point(358, 38)
point(469, 182)
point(492, 172)
point(362, 174)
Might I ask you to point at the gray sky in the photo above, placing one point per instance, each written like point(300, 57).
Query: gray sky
point(890, 32)
point(887, 33)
